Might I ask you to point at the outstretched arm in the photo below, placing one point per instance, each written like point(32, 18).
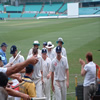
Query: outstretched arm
point(18, 67)
point(17, 94)
point(82, 62)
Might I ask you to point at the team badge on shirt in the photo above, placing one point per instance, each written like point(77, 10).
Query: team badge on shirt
point(55, 64)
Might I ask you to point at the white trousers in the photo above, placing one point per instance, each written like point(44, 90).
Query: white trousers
point(60, 90)
point(53, 96)
point(46, 88)
point(38, 84)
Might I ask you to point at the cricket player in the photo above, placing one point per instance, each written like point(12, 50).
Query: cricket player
point(19, 59)
point(60, 69)
point(51, 55)
point(44, 44)
point(50, 52)
point(60, 43)
point(37, 76)
point(46, 64)
point(36, 44)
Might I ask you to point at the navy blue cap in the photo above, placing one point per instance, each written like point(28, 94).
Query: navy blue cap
point(44, 50)
point(58, 49)
point(13, 49)
point(45, 43)
point(4, 44)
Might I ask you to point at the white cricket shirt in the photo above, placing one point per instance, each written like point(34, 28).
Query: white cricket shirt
point(59, 68)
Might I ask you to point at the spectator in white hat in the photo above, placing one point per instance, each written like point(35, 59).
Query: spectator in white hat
point(36, 44)
point(50, 52)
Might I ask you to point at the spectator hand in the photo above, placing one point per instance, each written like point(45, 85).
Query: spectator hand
point(9, 65)
point(33, 60)
point(82, 62)
point(26, 97)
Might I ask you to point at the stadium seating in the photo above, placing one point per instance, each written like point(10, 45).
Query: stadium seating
point(52, 7)
point(54, 15)
point(88, 10)
point(98, 12)
point(28, 15)
point(14, 8)
point(15, 15)
point(3, 15)
point(39, 15)
point(47, 8)
point(63, 8)
point(33, 7)
point(1, 7)
point(63, 15)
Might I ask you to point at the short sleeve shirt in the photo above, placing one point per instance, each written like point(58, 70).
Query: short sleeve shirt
point(59, 68)
point(90, 77)
point(46, 64)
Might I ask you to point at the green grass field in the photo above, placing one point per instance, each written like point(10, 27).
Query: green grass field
point(80, 36)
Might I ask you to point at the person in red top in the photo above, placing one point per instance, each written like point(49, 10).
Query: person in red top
point(98, 72)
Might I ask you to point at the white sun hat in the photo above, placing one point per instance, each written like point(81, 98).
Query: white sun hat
point(49, 45)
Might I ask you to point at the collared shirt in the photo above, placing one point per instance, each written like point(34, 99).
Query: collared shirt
point(46, 64)
point(51, 54)
point(63, 53)
point(18, 60)
point(28, 88)
point(59, 68)
point(90, 76)
point(3, 54)
point(37, 68)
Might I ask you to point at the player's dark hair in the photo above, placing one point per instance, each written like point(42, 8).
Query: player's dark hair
point(29, 69)
point(3, 79)
point(89, 56)
point(35, 51)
